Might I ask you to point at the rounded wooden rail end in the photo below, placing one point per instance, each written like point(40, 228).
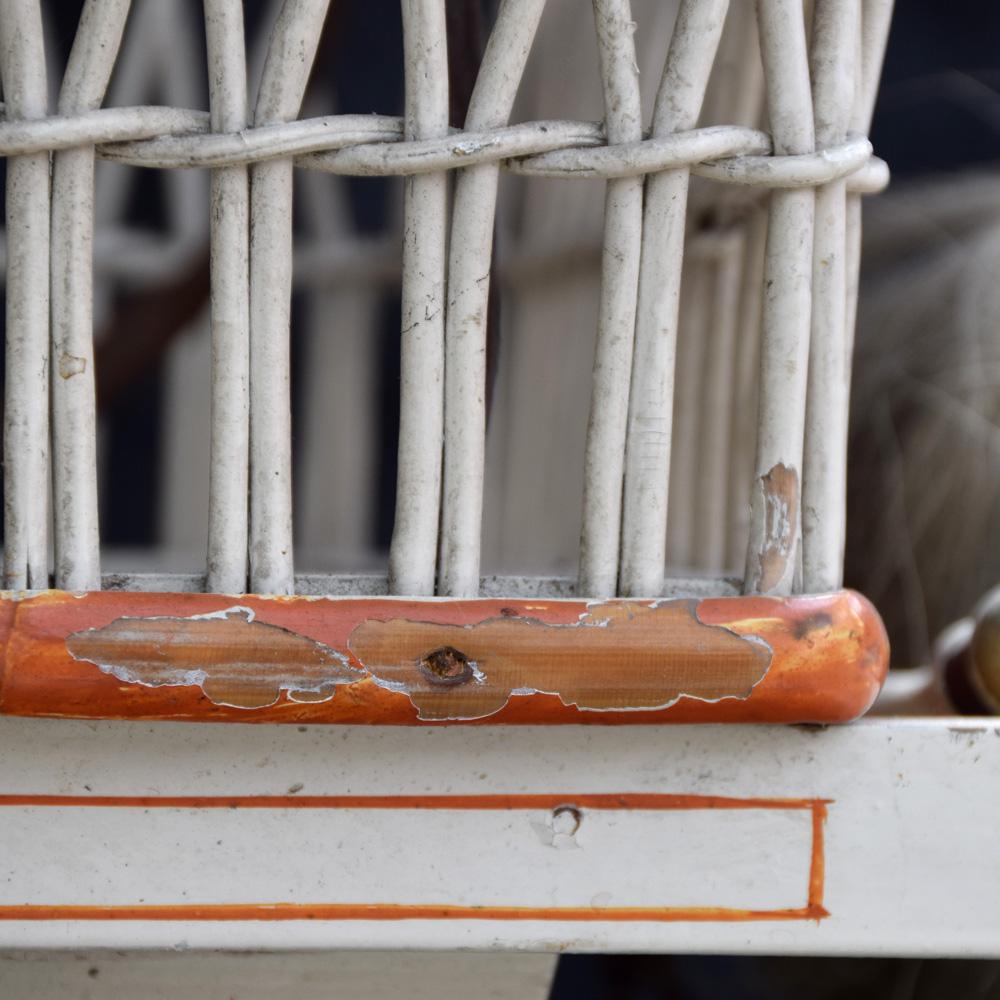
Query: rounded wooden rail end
point(393, 661)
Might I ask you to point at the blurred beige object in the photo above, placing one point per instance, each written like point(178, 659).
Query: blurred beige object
point(963, 675)
point(921, 691)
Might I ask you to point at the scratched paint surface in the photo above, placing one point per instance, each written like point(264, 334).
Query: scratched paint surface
point(618, 656)
point(389, 661)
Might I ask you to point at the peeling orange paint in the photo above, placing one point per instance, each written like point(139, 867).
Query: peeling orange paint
point(235, 660)
point(620, 656)
point(191, 657)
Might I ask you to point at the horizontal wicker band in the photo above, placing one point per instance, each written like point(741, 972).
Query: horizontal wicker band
point(373, 145)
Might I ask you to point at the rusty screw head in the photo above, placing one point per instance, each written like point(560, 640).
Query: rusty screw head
point(447, 667)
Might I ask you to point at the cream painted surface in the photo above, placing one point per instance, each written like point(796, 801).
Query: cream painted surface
point(752, 858)
point(911, 860)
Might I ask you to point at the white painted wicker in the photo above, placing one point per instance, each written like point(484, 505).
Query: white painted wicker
point(797, 267)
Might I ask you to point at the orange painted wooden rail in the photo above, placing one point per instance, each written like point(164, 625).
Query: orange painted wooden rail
point(208, 657)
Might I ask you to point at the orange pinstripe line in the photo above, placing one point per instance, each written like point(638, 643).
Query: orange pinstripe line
point(626, 800)
point(390, 911)
point(397, 911)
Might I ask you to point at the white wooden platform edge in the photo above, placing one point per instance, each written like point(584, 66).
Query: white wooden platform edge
point(910, 858)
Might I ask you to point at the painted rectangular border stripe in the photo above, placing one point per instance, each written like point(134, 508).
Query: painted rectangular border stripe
point(813, 910)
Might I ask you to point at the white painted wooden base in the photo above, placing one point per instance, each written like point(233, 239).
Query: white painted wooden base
point(672, 839)
point(35, 975)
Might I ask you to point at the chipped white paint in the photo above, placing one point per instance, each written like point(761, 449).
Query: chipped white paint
point(778, 522)
point(784, 352)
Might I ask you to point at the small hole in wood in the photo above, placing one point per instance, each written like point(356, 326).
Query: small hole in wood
point(447, 666)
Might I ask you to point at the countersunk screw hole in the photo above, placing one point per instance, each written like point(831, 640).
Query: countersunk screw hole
point(566, 820)
point(447, 666)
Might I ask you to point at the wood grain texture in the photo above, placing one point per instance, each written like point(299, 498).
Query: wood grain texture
point(207, 657)
point(619, 656)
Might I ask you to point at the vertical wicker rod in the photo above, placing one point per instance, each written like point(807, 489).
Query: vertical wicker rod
point(74, 408)
point(413, 552)
point(469, 263)
point(291, 51)
point(651, 399)
point(26, 382)
point(824, 462)
point(604, 462)
point(230, 308)
point(775, 497)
